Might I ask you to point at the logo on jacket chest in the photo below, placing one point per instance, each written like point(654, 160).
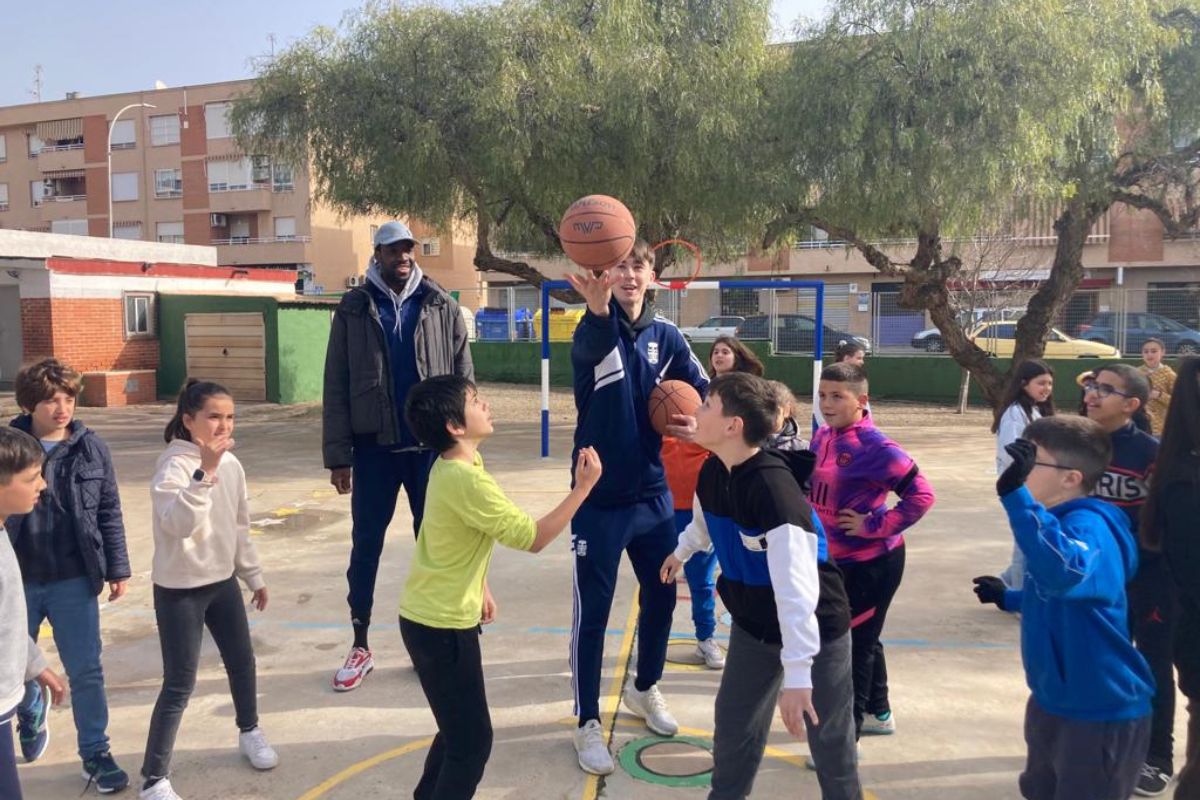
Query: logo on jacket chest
point(652, 352)
point(1122, 488)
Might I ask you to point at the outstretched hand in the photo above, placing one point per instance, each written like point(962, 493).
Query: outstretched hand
point(596, 290)
point(990, 589)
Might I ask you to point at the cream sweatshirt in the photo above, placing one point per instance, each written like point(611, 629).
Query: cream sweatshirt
point(201, 530)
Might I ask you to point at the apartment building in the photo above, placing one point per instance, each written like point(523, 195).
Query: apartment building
point(179, 177)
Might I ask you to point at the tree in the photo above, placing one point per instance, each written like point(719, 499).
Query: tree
point(501, 115)
point(922, 120)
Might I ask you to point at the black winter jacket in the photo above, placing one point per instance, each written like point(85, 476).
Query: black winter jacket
point(358, 390)
point(80, 476)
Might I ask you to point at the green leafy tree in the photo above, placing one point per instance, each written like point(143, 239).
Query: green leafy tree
point(924, 120)
point(498, 116)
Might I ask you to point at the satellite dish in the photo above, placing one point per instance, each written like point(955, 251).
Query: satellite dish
point(159, 85)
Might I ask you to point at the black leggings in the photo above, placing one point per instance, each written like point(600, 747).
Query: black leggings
point(1153, 610)
point(10, 783)
point(870, 586)
point(450, 668)
point(182, 615)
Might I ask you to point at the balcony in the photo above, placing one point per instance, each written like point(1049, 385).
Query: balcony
point(235, 199)
point(244, 251)
point(70, 206)
point(55, 158)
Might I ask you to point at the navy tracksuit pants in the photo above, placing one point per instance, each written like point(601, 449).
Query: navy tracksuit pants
point(646, 531)
point(378, 476)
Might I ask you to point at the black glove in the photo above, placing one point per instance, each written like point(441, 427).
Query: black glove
point(990, 589)
point(1024, 453)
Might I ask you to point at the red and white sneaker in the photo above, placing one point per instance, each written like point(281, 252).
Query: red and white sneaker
point(358, 664)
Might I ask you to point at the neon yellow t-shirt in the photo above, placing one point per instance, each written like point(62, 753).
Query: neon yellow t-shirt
point(466, 514)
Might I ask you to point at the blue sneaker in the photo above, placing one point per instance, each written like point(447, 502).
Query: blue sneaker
point(102, 772)
point(33, 722)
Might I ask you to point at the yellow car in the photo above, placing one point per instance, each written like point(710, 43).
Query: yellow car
point(999, 339)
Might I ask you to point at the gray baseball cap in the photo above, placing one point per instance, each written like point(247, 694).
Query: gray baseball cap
point(390, 232)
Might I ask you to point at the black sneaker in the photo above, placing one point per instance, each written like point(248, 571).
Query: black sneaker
point(1152, 781)
point(102, 772)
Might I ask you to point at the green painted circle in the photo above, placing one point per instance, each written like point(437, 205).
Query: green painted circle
point(630, 759)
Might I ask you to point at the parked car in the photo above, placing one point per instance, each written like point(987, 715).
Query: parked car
point(999, 339)
point(930, 339)
point(711, 328)
point(1140, 326)
point(795, 333)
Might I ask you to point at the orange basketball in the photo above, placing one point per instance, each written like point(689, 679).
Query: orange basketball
point(670, 398)
point(597, 231)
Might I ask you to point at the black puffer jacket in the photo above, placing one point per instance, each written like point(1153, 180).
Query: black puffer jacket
point(80, 483)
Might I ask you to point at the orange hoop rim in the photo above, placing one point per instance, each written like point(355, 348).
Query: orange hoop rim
point(680, 284)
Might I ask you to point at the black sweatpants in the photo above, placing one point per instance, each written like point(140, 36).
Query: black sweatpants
point(1153, 611)
point(870, 587)
point(182, 616)
point(10, 783)
point(450, 667)
point(1072, 759)
point(1187, 658)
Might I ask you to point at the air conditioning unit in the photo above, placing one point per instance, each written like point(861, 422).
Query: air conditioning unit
point(218, 220)
point(355, 280)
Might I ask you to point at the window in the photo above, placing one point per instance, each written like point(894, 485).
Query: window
point(3, 197)
point(127, 230)
point(124, 186)
point(164, 129)
point(35, 144)
point(124, 134)
point(139, 315)
point(170, 232)
point(260, 170)
point(431, 247)
point(228, 176)
point(37, 190)
point(168, 183)
point(998, 331)
point(282, 178)
point(71, 227)
point(285, 228)
point(3, 149)
point(216, 120)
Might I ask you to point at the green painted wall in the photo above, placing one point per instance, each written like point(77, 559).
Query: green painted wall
point(172, 369)
point(917, 377)
point(303, 337)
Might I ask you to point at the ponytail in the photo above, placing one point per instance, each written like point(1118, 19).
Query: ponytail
point(192, 397)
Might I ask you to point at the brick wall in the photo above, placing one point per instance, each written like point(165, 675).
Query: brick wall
point(1135, 235)
point(88, 334)
point(125, 388)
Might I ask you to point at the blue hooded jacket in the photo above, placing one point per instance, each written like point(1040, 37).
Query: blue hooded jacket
point(617, 363)
point(1075, 643)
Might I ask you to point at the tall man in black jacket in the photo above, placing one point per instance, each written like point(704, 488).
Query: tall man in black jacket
point(386, 337)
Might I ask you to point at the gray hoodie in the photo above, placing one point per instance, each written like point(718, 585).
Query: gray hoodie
point(20, 658)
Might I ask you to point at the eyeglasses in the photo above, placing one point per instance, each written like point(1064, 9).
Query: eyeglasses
point(1054, 466)
point(1103, 389)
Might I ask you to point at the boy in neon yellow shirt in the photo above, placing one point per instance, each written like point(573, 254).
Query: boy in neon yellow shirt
point(445, 597)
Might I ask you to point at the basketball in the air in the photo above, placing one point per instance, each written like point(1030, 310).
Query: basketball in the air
point(670, 398)
point(597, 232)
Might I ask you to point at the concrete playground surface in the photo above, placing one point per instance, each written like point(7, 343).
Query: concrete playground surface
point(957, 687)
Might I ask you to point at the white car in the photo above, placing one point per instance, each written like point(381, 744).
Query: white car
point(711, 328)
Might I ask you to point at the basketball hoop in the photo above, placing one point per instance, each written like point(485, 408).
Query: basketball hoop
point(676, 283)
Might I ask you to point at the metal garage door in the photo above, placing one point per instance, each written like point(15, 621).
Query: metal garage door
point(229, 349)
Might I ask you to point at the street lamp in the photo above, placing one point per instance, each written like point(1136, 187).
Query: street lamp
point(111, 125)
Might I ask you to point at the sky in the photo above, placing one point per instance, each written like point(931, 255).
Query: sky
point(126, 45)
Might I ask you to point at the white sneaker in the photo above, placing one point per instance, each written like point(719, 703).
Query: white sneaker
point(592, 749)
point(159, 791)
point(650, 706)
point(710, 651)
point(882, 725)
point(254, 746)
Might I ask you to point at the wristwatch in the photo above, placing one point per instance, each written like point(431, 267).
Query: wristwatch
point(200, 476)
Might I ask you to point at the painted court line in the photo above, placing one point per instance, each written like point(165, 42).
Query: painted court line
point(608, 714)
